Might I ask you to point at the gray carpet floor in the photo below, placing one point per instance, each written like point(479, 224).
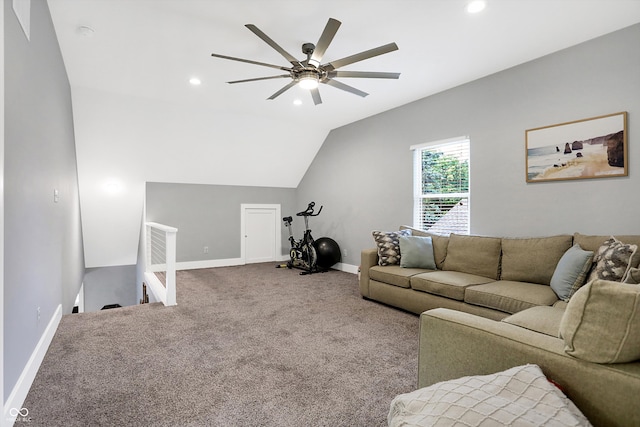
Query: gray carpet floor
point(245, 346)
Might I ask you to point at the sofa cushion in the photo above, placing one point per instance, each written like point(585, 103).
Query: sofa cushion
point(593, 243)
point(601, 323)
point(450, 284)
point(612, 260)
point(388, 246)
point(510, 297)
point(440, 243)
point(394, 275)
point(633, 276)
point(476, 255)
point(416, 252)
point(532, 260)
point(542, 319)
point(571, 272)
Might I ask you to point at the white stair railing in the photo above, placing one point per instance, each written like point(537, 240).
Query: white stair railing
point(160, 268)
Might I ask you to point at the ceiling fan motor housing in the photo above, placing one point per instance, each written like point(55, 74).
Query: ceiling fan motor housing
point(308, 48)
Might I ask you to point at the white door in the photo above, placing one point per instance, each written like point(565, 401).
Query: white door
point(261, 240)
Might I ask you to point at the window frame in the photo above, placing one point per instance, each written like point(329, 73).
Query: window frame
point(419, 196)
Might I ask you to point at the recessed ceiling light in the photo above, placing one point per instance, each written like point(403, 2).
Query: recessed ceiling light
point(297, 102)
point(476, 6)
point(195, 81)
point(113, 186)
point(85, 31)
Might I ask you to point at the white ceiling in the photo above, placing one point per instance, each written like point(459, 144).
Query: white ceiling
point(138, 119)
point(150, 48)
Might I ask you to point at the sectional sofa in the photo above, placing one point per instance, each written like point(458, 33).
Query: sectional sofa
point(491, 304)
point(492, 277)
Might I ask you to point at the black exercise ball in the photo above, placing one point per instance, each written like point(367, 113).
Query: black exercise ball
point(328, 252)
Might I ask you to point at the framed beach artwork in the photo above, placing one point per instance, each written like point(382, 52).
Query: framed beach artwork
point(589, 148)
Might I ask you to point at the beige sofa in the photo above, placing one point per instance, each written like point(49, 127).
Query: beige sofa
point(454, 344)
point(489, 306)
point(491, 277)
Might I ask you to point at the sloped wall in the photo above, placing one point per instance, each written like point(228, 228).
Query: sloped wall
point(363, 172)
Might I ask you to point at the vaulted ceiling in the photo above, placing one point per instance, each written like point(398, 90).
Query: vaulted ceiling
point(138, 118)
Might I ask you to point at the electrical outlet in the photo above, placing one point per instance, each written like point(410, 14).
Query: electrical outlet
point(206, 249)
point(344, 252)
point(38, 313)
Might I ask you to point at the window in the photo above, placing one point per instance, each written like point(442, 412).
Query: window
point(441, 186)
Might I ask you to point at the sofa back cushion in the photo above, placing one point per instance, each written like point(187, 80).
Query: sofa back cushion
point(477, 255)
point(533, 260)
point(439, 242)
point(601, 323)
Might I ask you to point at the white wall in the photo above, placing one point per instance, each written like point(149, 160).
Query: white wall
point(109, 129)
point(363, 172)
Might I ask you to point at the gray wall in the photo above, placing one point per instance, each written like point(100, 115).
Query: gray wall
point(109, 285)
point(44, 262)
point(209, 215)
point(363, 172)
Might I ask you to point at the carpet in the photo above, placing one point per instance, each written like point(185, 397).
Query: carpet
point(245, 346)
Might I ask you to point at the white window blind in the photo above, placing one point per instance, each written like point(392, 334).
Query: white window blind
point(441, 186)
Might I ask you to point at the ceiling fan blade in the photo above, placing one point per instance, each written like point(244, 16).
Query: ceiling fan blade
point(315, 94)
point(364, 74)
point(273, 44)
point(260, 78)
point(283, 90)
point(325, 39)
point(248, 61)
point(381, 50)
point(342, 86)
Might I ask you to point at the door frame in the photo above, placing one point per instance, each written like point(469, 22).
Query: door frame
point(278, 228)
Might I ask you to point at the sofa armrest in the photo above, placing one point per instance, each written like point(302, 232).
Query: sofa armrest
point(455, 344)
point(368, 258)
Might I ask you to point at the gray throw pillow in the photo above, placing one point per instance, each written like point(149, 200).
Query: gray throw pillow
point(416, 252)
point(571, 272)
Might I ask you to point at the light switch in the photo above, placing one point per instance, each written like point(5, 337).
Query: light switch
point(56, 196)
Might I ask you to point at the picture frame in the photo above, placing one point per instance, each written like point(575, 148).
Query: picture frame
point(590, 148)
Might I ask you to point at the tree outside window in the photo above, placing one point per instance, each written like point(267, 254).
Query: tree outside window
point(442, 187)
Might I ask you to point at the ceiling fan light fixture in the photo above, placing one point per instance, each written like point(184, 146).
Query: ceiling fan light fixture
point(308, 80)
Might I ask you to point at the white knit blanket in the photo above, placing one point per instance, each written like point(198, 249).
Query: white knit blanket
point(520, 396)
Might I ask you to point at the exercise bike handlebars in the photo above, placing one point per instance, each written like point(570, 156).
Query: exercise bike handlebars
point(309, 210)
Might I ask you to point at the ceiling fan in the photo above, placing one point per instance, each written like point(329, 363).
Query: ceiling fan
point(309, 73)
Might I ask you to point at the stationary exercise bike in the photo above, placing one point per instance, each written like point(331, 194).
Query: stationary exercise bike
point(303, 252)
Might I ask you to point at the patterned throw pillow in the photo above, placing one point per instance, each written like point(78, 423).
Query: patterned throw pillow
point(389, 246)
point(611, 261)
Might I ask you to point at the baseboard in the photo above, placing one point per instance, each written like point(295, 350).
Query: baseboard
point(13, 406)
point(347, 268)
point(209, 263)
